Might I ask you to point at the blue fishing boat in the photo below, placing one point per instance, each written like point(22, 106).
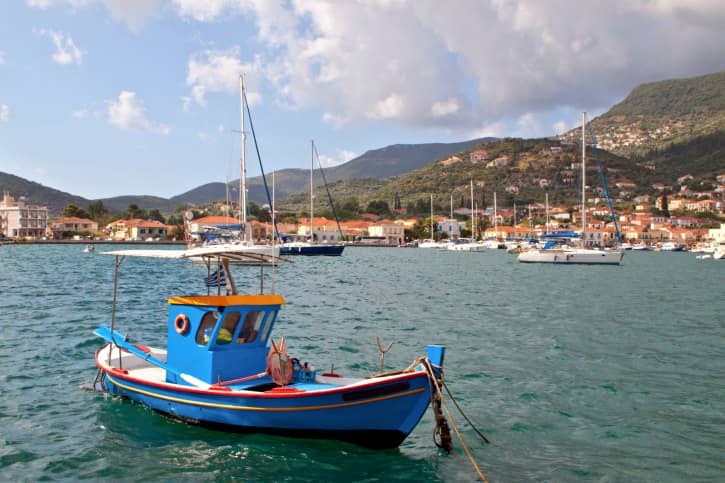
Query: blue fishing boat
point(222, 369)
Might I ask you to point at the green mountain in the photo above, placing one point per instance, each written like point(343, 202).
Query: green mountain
point(37, 194)
point(374, 164)
point(657, 115)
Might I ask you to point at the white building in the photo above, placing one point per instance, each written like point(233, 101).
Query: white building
point(394, 233)
point(450, 226)
point(323, 233)
point(18, 220)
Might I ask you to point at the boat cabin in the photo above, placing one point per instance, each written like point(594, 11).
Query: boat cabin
point(217, 338)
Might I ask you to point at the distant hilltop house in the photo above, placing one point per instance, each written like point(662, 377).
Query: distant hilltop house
point(19, 220)
point(683, 179)
point(136, 229)
point(498, 162)
point(70, 224)
point(478, 156)
point(512, 189)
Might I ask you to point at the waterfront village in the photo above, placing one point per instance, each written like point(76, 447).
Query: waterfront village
point(690, 219)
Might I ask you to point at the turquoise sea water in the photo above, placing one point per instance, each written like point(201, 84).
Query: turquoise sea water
point(576, 373)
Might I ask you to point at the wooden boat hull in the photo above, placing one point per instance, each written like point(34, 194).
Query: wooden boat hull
point(377, 413)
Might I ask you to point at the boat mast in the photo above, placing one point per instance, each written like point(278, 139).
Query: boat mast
point(243, 168)
point(584, 181)
point(547, 213)
point(432, 236)
point(495, 221)
point(473, 216)
point(312, 195)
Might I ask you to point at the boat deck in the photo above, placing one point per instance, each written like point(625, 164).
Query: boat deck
point(140, 368)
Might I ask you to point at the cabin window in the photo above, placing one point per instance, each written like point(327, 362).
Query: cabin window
point(268, 325)
point(206, 327)
point(250, 328)
point(229, 325)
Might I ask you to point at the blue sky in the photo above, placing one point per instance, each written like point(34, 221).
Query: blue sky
point(103, 98)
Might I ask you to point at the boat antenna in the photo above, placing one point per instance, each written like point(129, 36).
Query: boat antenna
point(327, 188)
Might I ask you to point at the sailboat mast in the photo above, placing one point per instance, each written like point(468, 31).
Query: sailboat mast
point(473, 215)
point(547, 212)
point(432, 236)
point(243, 168)
point(584, 181)
point(312, 193)
point(495, 221)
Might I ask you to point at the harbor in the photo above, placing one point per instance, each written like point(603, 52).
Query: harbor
point(573, 373)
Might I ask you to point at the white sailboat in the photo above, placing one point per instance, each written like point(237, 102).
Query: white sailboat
point(431, 242)
point(243, 239)
point(574, 255)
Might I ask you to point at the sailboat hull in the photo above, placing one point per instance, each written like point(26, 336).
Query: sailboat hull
point(312, 249)
point(572, 257)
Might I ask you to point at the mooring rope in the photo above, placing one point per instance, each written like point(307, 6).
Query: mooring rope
point(464, 414)
point(432, 377)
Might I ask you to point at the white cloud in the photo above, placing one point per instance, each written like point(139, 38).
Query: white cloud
point(2, 57)
point(4, 113)
point(341, 156)
point(389, 108)
point(207, 10)
point(218, 71)
point(470, 64)
point(46, 4)
point(129, 113)
point(133, 12)
point(444, 108)
point(560, 127)
point(66, 51)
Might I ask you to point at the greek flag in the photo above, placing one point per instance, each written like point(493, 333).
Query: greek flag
point(217, 279)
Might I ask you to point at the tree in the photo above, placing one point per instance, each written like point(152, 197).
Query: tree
point(98, 212)
point(133, 211)
point(155, 214)
point(378, 207)
point(177, 233)
point(73, 211)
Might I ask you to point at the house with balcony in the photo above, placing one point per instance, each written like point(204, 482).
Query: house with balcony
point(21, 220)
point(393, 233)
point(70, 225)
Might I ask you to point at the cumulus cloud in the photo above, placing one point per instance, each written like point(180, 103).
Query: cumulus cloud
point(45, 4)
point(66, 51)
point(128, 112)
point(341, 156)
point(218, 71)
point(133, 12)
point(207, 10)
point(2, 57)
point(472, 63)
point(476, 62)
point(560, 127)
point(4, 113)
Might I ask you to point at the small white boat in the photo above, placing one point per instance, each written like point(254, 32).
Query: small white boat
point(641, 246)
point(89, 248)
point(671, 247)
point(703, 257)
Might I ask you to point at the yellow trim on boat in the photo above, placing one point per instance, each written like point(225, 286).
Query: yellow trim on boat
point(253, 408)
point(226, 300)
